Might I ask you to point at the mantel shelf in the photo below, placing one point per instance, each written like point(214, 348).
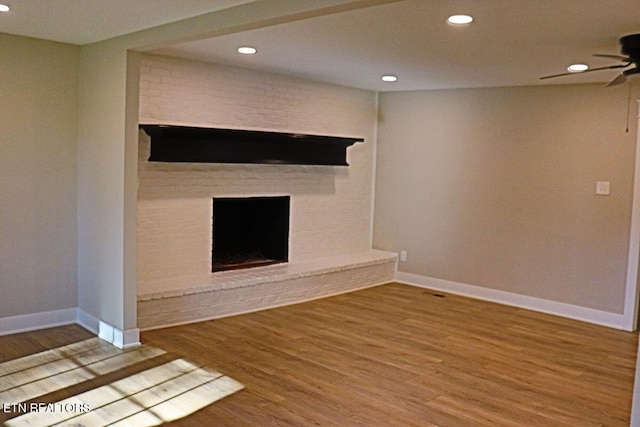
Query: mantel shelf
point(212, 145)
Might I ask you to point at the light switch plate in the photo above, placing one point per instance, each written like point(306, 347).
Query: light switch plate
point(602, 188)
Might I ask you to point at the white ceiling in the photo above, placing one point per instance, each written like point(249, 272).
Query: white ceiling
point(88, 21)
point(510, 43)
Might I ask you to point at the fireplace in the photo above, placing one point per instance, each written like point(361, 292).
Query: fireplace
point(249, 232)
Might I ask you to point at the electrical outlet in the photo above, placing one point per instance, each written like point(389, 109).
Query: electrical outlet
point(403, 256)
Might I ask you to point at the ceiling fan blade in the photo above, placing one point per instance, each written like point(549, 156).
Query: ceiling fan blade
point(557, 75)
point(618, 80)
point(620, 57)
point(587, 71)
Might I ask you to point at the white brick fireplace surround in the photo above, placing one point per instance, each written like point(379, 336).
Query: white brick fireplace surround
point(330, 218)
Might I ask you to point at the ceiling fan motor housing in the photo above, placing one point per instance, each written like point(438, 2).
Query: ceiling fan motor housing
point(631, 46)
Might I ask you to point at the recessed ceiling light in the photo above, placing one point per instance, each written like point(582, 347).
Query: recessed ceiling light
point(389, 78)
point(460, 19)
point(247, 50)
point(577, 68)
point(4, 8)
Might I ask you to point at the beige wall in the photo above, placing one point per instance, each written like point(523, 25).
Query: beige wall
point(38, 126)
point(496, 188)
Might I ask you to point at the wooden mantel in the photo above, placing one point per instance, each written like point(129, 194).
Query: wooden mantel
point(213, 145)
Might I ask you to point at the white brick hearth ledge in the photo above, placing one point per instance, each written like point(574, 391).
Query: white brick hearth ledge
point(193, 298)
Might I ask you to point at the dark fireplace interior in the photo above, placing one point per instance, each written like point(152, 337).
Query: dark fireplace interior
point(249, 232)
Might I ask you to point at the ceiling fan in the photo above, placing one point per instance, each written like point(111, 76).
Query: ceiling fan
point(630, 48)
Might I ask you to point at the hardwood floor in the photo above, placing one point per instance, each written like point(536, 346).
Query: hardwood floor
point(393, 355)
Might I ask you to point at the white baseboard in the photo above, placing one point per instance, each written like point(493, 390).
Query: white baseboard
point(87, 321)
point(118, 337)
point(35, 321)
point(590, 315)
point(69, 316)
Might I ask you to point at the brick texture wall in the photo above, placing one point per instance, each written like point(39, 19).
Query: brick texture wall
point(330, 206)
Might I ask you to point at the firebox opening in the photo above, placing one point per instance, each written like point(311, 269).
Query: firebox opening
point(249, 232)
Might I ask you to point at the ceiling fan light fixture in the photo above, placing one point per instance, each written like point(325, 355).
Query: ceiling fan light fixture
point(247, 50)
point(577, 68)
point(460, 19)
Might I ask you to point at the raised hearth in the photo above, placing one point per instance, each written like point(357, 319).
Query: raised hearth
point(194, 298)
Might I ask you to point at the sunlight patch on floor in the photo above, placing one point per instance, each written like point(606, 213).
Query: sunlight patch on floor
point(47, 356)
point(36, 375)
point(152, 397)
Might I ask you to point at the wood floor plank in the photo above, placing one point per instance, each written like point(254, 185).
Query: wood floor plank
point(498, 358)
point(396, 355)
